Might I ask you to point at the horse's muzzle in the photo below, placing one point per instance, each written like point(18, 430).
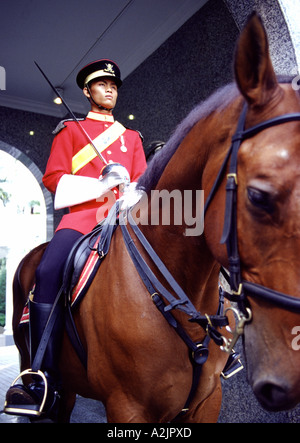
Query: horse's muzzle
point(274, 395)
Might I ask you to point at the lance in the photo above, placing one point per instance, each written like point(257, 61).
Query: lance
point(73, 116)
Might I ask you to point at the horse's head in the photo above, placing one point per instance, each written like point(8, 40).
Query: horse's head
point(268, 214)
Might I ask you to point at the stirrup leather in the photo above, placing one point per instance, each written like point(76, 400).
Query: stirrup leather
point(32, 410)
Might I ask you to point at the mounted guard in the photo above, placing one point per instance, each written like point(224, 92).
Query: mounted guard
point(88, 160)
point(241, 146)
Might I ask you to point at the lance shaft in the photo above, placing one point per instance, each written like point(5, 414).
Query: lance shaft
point(72, 114)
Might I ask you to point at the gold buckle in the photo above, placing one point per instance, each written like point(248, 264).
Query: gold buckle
point(239, 291)
point(153, 295)
point(234, 176)
point(240, 368)
point(235, 371)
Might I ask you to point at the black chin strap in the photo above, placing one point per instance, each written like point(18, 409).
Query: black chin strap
point(99, 106)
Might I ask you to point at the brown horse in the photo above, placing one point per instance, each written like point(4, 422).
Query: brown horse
point(137, 365)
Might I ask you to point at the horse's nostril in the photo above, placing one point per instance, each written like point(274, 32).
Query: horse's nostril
point(272, 396)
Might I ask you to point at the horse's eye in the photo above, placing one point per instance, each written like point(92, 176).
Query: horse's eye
point(261, 199)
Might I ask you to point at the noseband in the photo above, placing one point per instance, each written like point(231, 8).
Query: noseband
point(241, 289)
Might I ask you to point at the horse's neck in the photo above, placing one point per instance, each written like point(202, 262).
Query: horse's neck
point(178, 241)
point(192, 168)
point(187, 258)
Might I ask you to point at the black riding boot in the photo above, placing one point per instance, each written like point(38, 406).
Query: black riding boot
point(40, 398)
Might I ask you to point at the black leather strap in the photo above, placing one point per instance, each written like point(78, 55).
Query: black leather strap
point(39, 355)
point(230, 219)
point(279, 299)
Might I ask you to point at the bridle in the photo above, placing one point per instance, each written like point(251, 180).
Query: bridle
point(241, 289)
point(173, 297)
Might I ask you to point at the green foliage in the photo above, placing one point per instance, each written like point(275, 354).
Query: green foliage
point(4, 197)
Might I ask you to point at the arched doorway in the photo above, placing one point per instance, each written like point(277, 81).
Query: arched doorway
point(26, 216)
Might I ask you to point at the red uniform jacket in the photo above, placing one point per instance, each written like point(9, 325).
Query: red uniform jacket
point(68, 142)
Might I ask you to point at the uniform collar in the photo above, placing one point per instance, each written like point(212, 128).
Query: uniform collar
point(100, 117)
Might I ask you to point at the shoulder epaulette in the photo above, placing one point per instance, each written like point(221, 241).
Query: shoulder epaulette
point(61, 125)
point(140, 134)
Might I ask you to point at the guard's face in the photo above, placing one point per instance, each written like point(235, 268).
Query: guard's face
point(104, 92)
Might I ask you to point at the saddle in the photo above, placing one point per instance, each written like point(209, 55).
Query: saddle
point(86, 257)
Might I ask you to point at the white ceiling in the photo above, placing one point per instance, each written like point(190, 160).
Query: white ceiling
point(64, 35)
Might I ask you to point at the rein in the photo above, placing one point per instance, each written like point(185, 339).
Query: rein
point(155, 287)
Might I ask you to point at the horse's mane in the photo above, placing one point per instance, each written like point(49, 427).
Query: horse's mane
point(218, 100)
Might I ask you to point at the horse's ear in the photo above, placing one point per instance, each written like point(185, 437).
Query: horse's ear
point(253, 68)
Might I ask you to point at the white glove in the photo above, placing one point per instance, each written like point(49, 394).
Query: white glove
point(75, 189)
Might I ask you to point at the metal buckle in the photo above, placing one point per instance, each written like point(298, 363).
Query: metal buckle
point(30, 410)
point(229, 343)
point(238, 369)
point(209, 323)
point(239, 291)
point(233, 175)
point(232, 367)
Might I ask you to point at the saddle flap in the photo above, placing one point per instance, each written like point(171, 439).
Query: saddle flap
point(86, 256)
